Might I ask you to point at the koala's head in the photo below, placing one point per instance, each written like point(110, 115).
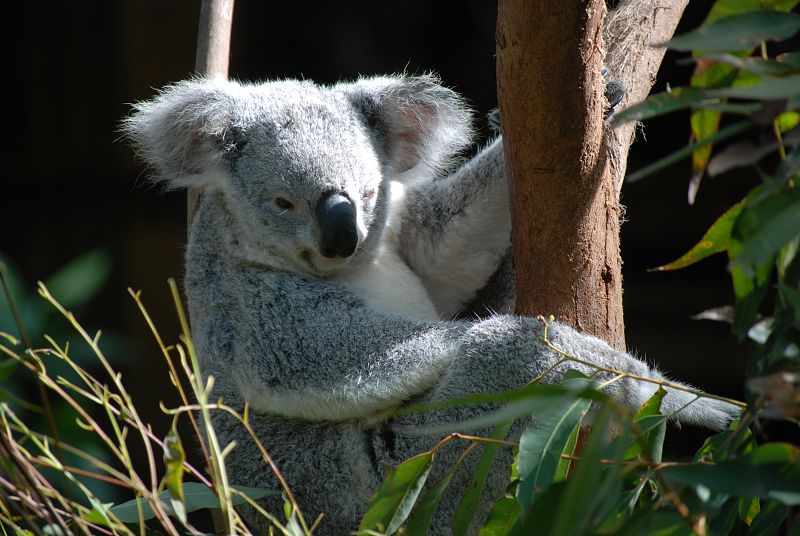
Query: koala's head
point(304, 170)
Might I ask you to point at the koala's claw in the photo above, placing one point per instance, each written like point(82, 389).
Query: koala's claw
point(614, 92)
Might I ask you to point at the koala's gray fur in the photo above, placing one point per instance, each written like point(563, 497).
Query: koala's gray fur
point(322, 346)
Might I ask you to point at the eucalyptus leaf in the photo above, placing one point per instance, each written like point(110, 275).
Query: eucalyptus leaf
point(582, 492)
point(535, 399)
point(392, 503)
point(74, 284)
point(754, 65)
point(661, 104)
point(721, 9)
point(770, 88)
point(790, 58)
point(420, 520)
point(771, 226)
point(777, 481)
point(472, 495)
point(704, 123)
point(652, 428)
point(174, 457)
point(715, 240)
point(769, 520)
point(502, 517)
point(196, 496)
point(738, 32)
point(542, 443)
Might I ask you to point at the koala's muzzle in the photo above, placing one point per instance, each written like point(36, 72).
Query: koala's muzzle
point(336, 216)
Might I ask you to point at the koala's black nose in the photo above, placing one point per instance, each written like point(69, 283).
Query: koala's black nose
point(336, 215)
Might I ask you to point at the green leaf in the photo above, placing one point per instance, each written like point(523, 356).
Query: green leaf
point(715, 240)
point(564, 465)
point(74, 284)
point(750, 292)
point(789, 58)
point(392, 503)
point(765, 228)
point(472, 495)
point(704, 123)
point(769, 520)
point(420, 521)
point(502, 517)
point(777, 481)
point(534, 398)
point(738, 32)
point(542, 443)
point(539, 519)
point(750, 64)
point(661, 104)
point(652, 428)
point(748, 510)
point(787, 121)
point(725, 8)
point(786, 257)
point(583, 491)
point(99, 513)
point(174, 457)
point(196, 497)
point(655, 523)
point(709, 73)
point(770, 88)
point(775, 453)
point(780, 5)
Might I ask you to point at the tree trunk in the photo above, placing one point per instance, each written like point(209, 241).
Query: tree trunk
point(565, 166)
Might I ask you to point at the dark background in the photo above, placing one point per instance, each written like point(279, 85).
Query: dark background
point(70, 185)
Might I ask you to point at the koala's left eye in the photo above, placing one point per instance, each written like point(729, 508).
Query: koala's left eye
point(368, 194)
point(284, 204)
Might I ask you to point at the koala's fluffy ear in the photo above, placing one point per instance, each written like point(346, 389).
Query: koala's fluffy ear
point(184, 132)
point(420, 125)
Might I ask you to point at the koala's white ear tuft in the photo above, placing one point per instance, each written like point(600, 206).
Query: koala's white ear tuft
point(184, 132)
point(420, 125)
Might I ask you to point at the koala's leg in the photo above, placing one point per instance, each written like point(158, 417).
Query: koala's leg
point(456, 231)
point(509, 351)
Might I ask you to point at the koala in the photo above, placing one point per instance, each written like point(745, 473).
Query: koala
point(338, 256)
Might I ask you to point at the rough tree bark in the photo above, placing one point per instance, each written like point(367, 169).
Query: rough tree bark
point(565, 165)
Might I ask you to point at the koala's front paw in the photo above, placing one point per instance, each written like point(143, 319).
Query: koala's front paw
point(494, 119)
point(614, 92)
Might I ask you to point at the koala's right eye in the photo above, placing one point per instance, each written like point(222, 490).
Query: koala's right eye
point(284, 204)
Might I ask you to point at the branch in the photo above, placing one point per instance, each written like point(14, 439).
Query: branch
point(214, 38)
point(211, 60)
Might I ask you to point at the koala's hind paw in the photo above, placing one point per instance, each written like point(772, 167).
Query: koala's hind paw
point(709, 412)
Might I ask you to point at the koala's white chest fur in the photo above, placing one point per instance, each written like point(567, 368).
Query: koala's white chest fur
point(386, 282)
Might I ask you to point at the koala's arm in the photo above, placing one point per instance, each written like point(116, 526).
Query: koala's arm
point(456, 231)
point(307, 349)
